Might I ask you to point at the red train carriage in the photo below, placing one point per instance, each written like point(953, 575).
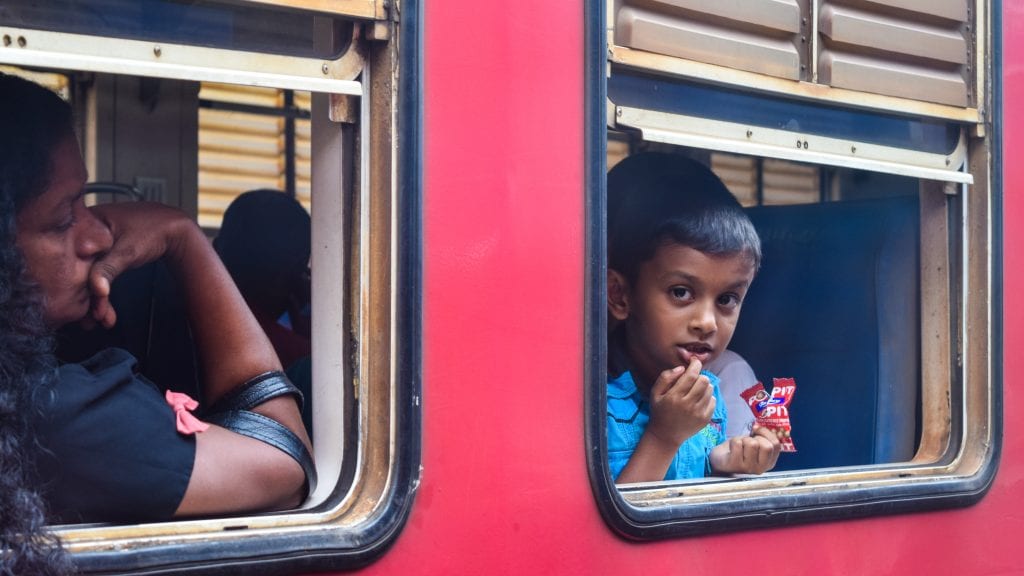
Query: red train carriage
point(453, 157)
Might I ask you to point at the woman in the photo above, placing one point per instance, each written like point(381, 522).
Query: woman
point(25, 368)
point(114, 447)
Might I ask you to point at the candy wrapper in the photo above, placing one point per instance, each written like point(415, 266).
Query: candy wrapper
point(772, 410)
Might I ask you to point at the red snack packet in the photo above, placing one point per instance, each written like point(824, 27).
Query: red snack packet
point(772, 410)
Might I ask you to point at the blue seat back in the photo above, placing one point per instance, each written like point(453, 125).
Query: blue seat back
point(836, 306)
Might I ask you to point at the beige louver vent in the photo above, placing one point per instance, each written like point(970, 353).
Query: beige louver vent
point(240, 151)
point(765, 36)
point(767, 181)
point(739, 174)
point(789, 183)
point(888, 54)
point(917, 49)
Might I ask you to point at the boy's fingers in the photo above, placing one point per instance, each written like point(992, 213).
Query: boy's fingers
point(736, 447)
point(752, 456)
point(700, 389)
point(665, 381)
point(768, 434)
point(694, 367)
point(709, 408)
point(771, 456)
point(768, 448)
point(764, 449)
point(689, 379)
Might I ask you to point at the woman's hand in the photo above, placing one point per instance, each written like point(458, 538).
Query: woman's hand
point(143, 232)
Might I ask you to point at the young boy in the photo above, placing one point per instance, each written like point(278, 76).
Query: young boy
point(681, 255)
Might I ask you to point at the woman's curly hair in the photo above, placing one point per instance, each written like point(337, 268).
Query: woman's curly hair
point(34, 120)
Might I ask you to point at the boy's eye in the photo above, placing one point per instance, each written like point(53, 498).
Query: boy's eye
point(729, 301)
point(679, 292)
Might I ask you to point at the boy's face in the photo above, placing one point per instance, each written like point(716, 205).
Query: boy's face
point(684, 305)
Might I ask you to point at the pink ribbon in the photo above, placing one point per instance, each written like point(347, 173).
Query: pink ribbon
point(183, 406)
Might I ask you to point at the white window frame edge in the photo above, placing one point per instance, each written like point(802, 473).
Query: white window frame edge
point(722, 136)
point(86, 53)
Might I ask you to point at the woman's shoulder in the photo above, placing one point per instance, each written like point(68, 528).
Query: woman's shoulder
point(93, 380)
point(111, 451)
point(102, 362)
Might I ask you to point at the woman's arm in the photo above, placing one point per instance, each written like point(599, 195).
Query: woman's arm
point(231, 472)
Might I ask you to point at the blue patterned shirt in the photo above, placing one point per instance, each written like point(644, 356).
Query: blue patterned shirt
point(628, 415)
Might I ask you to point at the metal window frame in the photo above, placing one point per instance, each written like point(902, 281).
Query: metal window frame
point(348, 524)
point(947, 472)
point(737, 138)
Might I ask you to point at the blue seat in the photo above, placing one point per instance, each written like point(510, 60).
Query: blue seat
point(836, 306)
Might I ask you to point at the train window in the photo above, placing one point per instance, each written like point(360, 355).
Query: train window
point(873, 203)
point(342, 137)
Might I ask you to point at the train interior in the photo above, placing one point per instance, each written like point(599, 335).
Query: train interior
point(835, 304)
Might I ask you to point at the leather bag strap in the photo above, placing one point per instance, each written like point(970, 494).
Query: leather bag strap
point(256, 391)
point(272, 432)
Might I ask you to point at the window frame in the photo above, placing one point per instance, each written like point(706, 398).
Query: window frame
point(349, 523)
point(956, 474)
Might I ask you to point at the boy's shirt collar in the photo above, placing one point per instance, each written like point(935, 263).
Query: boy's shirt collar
point(622, 386)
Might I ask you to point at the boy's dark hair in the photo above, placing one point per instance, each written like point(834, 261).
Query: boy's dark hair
point(654, 198)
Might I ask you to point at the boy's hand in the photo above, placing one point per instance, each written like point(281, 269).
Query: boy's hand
point(754, 454)
point(682, 403)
